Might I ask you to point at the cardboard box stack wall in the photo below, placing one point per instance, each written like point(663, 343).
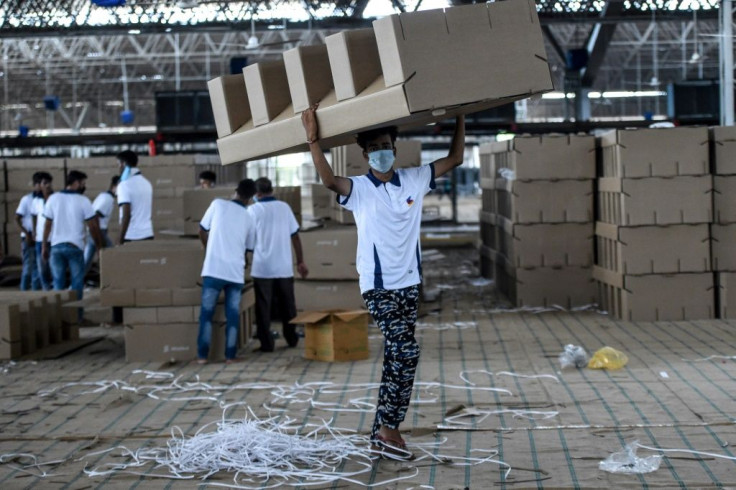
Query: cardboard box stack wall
point(348, 161)
point(33, 320)
point(537, 219)
point(652, 236)
point(723, 229)
point(158, 285)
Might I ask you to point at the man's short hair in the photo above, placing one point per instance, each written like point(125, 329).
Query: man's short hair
point(366, 136)
point(264, 185)
point(208, 175)
point(75, 176)
point(114, 181)
point(128, 157)
point(37, 178)
point(246, 189)
point(45, 176)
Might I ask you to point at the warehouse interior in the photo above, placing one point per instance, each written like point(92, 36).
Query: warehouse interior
point(578, 275)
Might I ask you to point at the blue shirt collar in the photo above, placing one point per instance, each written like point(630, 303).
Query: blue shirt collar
point(69, 191)
point(266, 199)
point(238, 203)
point(395, 180)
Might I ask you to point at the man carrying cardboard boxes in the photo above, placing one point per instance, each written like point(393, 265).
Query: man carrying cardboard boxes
point(277, 230)
point(135, 199)
point(227, 231)
point(387, 205)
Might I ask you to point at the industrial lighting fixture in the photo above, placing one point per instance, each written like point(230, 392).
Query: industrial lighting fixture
point(134, 31)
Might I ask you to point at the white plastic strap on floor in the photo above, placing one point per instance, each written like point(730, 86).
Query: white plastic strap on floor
point(463, 375)
point(710, 358)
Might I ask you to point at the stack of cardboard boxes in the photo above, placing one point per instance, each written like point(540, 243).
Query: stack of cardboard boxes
point(723, 230)
point(655, 206)
point(537, 219)
point(158, 286)
point(33, 320)
point(322, 199)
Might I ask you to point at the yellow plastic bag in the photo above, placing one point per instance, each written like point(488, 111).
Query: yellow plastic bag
point(608, 358)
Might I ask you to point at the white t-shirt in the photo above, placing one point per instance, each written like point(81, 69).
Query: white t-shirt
point(37, 210)
point(275, 225)
point(137, 191)
point(69, 211)
point(231, 230)
point(25, 206)
point(103, 206)
point(388, 217)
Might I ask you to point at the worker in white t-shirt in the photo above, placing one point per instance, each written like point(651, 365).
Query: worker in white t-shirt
point(273, 272)
point(226, 231)
point(67, 214)
point(103, 205)
point(207, 179)
point(387, 206)
point(39, 223)
point(135, 200)
point(24, 219)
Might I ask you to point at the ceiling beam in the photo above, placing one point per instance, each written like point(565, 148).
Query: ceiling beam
point(598, 41)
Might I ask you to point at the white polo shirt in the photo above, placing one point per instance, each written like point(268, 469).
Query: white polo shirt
point(275, 225)
point(231, 230)
point(388, 217)
point(103, 206)
point(25, 207)
point(137, 191)
point(37, 207)
point(69, 211)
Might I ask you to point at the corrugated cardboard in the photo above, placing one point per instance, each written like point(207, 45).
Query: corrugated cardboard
point(547, 157)
point(656, 201)
point(291, 195)
point(661, 152)
point(545, 245)
point(196, 201)
point(230, 104)
point(10, 332)
point(327, 295)
point(724, 150)
point(653, 249)
point(169, 177)
point(541, 201)
point(117, 297)
point(477, 41)
point(159, 315)
point(309, 75)
point(153, 297)
point(20, 173)
point(343, 216)
point(724, 198)
point(268, 90)
point(167, 209)
point(724, 248)
point(488, 232)
point(656, 297)
point(163, 343)
point(99, 170)
point(186, 296)
point(322, 199)
point(329, 253)
point(335, 335)
point(726, 283)
point(353, 57)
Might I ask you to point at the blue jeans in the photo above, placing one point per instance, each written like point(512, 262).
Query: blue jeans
point(29, 275)
point(44, 270)
point(91, 249)
point(211, 288)
point(66, 256)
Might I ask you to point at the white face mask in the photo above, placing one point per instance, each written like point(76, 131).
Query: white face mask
point(381, 160)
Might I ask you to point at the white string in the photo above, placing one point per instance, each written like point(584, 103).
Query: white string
point(700, 453)
point(709, 358)
point(484, 414)
point(529, 376)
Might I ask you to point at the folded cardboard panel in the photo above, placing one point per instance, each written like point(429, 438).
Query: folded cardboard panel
point(322, 199)
point(656, 201)
point(230, 104)
point(268, 90)
point(19, 178)
point(10, 331)
point(170, 342)
point(724, 150)
point(196, 201)
point(545, 245)
point(329, 253)
point(99, 170)
point(541, 201)
point(488, 229)
point(723, 239)
point(309, 75)
point(354, 62)
point(335, 335)
point(662, 152)
point(657, 297)
point(327, 295)
point(653, 249)
point(724, 198)
point(488, 199)
point(486, 159)
point(548, 157)
point(168, 208)
point(726, 284)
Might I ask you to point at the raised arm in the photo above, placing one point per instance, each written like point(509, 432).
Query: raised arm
point(341, 185)
point(457, 149)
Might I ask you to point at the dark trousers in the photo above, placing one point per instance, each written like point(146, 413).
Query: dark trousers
point(266, 290)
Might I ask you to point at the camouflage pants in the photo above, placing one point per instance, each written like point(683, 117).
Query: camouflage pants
point(395, 313)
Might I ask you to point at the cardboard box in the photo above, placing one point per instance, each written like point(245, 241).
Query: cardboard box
point(655, 201)
point(230, 104)
point(117, 296)
point(19, 178)
point(291, 195)
point(545, 245)
point(196, 202)
point(322, 199)
point(343, 49)
point(327, 295)
point(99, 170)
point(548, 157)
point(661, 152)
point(268, 90)
point(656, 297)
point(541, 201)
point(164, 343)
point(168, 178)
point(330, 252)
point(723, 239)
point(724, 198)
point(186, 296)
point(151, 265)
point(309, 74)
point(342, 216)
point(335, 335)
point(488, 231)
point(488, 199)
point(724, 150)
point(10, 331)
point(159, 315)
point(726, 285)
point(653, 249)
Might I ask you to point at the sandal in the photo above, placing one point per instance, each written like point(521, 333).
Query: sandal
point(391, 448)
